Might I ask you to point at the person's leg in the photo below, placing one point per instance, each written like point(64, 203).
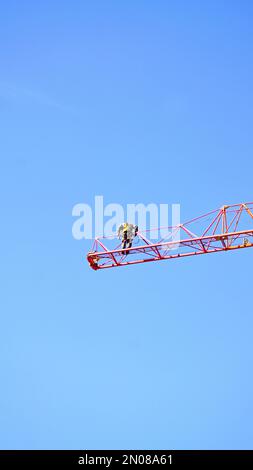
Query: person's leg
point(124, 242)
point(129, 244)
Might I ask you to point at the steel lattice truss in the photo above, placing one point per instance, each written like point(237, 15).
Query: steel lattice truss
point(225, 229)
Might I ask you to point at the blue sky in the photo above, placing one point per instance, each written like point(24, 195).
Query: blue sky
point(138, 102)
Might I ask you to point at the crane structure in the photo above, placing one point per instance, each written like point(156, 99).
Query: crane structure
point(225, 229)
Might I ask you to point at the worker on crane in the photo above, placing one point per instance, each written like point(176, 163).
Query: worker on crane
point(127, 232)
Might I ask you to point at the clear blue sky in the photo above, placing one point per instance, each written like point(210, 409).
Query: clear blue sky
point(139, 101)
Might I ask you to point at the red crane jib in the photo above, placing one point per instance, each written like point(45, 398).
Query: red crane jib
point(230, 228)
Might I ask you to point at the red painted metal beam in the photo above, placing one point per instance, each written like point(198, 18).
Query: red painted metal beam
point(222, 234)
